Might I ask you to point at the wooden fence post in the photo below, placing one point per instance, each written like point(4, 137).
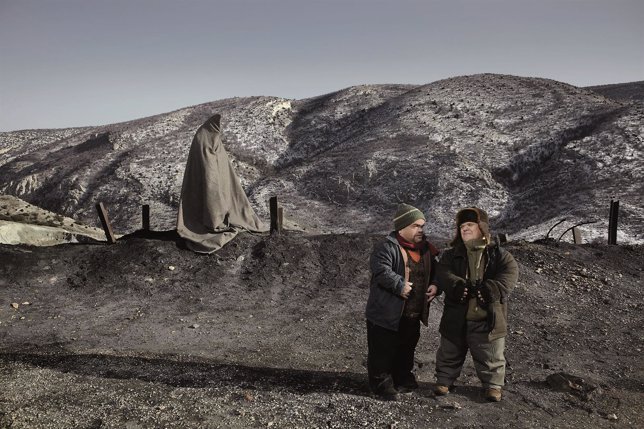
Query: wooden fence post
point(576, 235)
point(146, 217)
point(105, 221)
point(612, 222)
point(274, 215)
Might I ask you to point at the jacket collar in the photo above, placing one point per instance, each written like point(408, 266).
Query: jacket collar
point(392, 237)
point(461, 250)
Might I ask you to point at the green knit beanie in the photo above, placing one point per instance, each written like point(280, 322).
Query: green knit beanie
point(406, 215)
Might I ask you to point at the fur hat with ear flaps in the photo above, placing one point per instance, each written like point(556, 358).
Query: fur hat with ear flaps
point(472, 214)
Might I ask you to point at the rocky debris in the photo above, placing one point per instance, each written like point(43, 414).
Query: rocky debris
point(451, 406)
point(563, 382)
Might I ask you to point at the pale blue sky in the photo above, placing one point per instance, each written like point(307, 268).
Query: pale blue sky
point(67, 63)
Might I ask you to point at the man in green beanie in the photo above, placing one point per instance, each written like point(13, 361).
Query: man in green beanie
point(476, 277)
point(402, 286)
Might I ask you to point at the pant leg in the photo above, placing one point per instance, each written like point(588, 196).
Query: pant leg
point(409, 334)
point(382, 347)
point(450, 358)
point(488, 356)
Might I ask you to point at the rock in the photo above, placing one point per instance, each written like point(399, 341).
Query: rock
point(26, 303)
point(15, 305)
point(171, 268)
point(194, 326)
point(612, 417)
point(563, 382)
point(451, 406)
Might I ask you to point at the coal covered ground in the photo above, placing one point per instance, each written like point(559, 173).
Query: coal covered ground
point(270, 332)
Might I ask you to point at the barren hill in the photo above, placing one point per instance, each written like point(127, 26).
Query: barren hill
point(530, 151)
point(631, 91)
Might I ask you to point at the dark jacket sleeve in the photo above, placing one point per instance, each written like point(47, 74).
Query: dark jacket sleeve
point(432, 275)
point(504, 278)
point(382, 267)
point(449, 282)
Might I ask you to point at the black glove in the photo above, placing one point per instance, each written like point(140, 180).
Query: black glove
point(483, 295)
point(472, 287)
point(458, 292)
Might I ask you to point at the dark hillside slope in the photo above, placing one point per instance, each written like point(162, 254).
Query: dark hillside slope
point(631, 91)
point(530, 151)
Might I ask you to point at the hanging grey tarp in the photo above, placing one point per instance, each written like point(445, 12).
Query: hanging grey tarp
point(213, 206)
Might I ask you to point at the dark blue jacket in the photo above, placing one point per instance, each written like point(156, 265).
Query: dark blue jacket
point(385, 305)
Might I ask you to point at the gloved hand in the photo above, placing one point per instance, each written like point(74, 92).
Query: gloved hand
point(483, 294)
point(459, 292)
point(470, 289)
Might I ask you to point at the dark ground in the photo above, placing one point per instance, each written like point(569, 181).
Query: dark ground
point(269, 332)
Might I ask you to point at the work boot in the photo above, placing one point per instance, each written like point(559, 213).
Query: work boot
point(388, 394)
point(493, 394)
point(441, 390)
point(407, 385)
point(385, 390)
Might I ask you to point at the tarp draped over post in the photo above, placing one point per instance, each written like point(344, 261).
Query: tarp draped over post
point(213, 206)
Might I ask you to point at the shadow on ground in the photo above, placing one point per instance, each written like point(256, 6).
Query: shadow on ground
point(178, 373)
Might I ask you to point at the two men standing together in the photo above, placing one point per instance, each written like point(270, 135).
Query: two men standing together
point(476, 277)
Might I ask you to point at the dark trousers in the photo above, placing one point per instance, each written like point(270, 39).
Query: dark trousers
point(391, 355)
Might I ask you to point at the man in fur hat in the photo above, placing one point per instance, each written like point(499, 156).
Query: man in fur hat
point(401, 288)
point(476, 277)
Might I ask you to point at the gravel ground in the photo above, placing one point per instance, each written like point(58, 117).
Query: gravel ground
point(270, 332)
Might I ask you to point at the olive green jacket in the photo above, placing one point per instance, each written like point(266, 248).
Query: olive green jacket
point(500, 277)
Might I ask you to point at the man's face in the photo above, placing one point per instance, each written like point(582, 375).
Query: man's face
point(470, 231)
point(414, 232)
